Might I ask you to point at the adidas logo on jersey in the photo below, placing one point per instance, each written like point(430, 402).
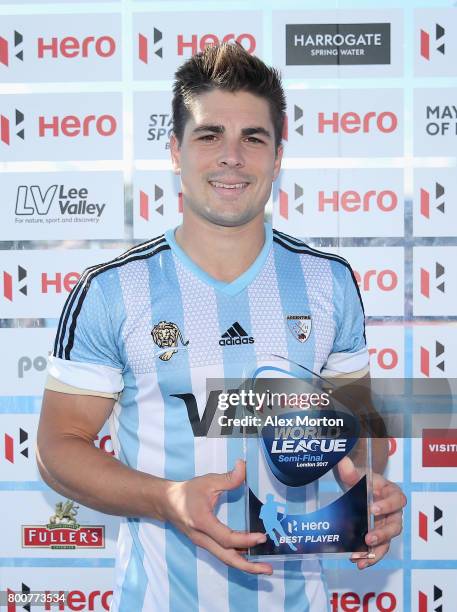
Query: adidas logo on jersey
point(235, 335)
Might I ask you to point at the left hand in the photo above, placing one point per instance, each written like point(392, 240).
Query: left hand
point(387, 507)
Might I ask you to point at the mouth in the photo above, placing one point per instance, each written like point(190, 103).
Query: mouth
point(228, 189)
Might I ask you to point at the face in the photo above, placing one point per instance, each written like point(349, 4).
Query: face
point(227, 158)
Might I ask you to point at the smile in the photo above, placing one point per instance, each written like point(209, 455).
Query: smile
point(219, 185)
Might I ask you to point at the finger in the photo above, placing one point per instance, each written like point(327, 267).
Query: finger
point(226, 537)
point(377, 553)
point(231, 479)
point(383, 533)
point(230, 557)
point(390, 500)
point(348, 473)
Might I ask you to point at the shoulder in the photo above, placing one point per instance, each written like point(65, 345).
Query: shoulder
point(296, 247)
point(128, 262)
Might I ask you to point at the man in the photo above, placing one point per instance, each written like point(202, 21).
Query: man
point(149, 328)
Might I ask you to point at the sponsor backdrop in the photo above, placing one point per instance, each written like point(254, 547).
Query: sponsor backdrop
point(370, 172)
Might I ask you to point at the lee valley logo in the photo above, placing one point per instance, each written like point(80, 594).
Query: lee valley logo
point(63, 531)
point(56, 204)
point(337, 44)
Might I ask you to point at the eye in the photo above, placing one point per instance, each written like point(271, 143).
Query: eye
point(208, 138)
point(254, 140)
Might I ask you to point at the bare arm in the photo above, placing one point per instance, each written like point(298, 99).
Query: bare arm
point(70, 463)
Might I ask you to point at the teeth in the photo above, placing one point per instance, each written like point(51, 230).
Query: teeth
point(225, 186)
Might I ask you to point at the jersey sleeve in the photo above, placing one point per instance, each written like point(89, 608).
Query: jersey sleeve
point(86, 351)
point(349, 355)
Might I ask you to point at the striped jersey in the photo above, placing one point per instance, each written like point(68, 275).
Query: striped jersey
point(153, 327)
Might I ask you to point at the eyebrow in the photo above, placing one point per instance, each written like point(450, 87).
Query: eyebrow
point(219, 129)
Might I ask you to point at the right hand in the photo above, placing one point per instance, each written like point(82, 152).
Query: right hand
point(190, 507)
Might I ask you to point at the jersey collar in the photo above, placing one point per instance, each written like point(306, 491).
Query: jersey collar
point(238, 284)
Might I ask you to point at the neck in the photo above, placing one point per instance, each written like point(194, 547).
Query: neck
point(222, 252)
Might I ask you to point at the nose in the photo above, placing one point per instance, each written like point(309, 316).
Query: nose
point(231, 155)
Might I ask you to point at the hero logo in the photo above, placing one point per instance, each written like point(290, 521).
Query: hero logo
point(297, 124)
point(70, 46)
point(353, 201)
point(71, 201)
point(199, 43)
point(284, 201)
point(75, 600)
point(438, 280)
point(20, 441)
point(143, 46)
point(386, 358)
point(5, 127)
point(352, 602)
point(159, 202)
point(8, 283)
point(385, 280)
point(353, 123)
point(425, 200)
point(72, 126)
point(425, 358)
point(16, 50)
point(436, 115)
point(437, 523)
point(160, 128)
point(437, 597)
point(425, 41)
point(25, 364)
point(60, 282)
point(195, 44)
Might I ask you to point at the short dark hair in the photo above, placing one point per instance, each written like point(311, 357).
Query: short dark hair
point(228, 67)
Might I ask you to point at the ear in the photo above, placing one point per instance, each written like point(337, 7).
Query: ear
point(277, 163)
point(175, 154)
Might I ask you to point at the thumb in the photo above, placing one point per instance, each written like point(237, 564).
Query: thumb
point(233, 478)
point(348, 473)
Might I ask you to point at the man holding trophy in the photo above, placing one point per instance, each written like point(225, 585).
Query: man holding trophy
point(139, 337)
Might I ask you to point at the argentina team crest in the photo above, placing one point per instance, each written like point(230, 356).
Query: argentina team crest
point(166, 334)
point(300, 326)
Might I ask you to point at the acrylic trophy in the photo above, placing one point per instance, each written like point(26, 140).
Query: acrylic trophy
point(308, 479)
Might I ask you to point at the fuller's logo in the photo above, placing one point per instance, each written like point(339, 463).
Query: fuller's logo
point(426, 203)
point(149, 46)
point(431, 602)
point(426, 359)
point(299, 326)
point(63, 531)
point(166, 334)
point(439, 448)
point(14, 444)
point(426, 523)
point(284, 199)
point(437, 38)
point(10, 127)
point(436, 279)
point(10, 281)
point(11, 48)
